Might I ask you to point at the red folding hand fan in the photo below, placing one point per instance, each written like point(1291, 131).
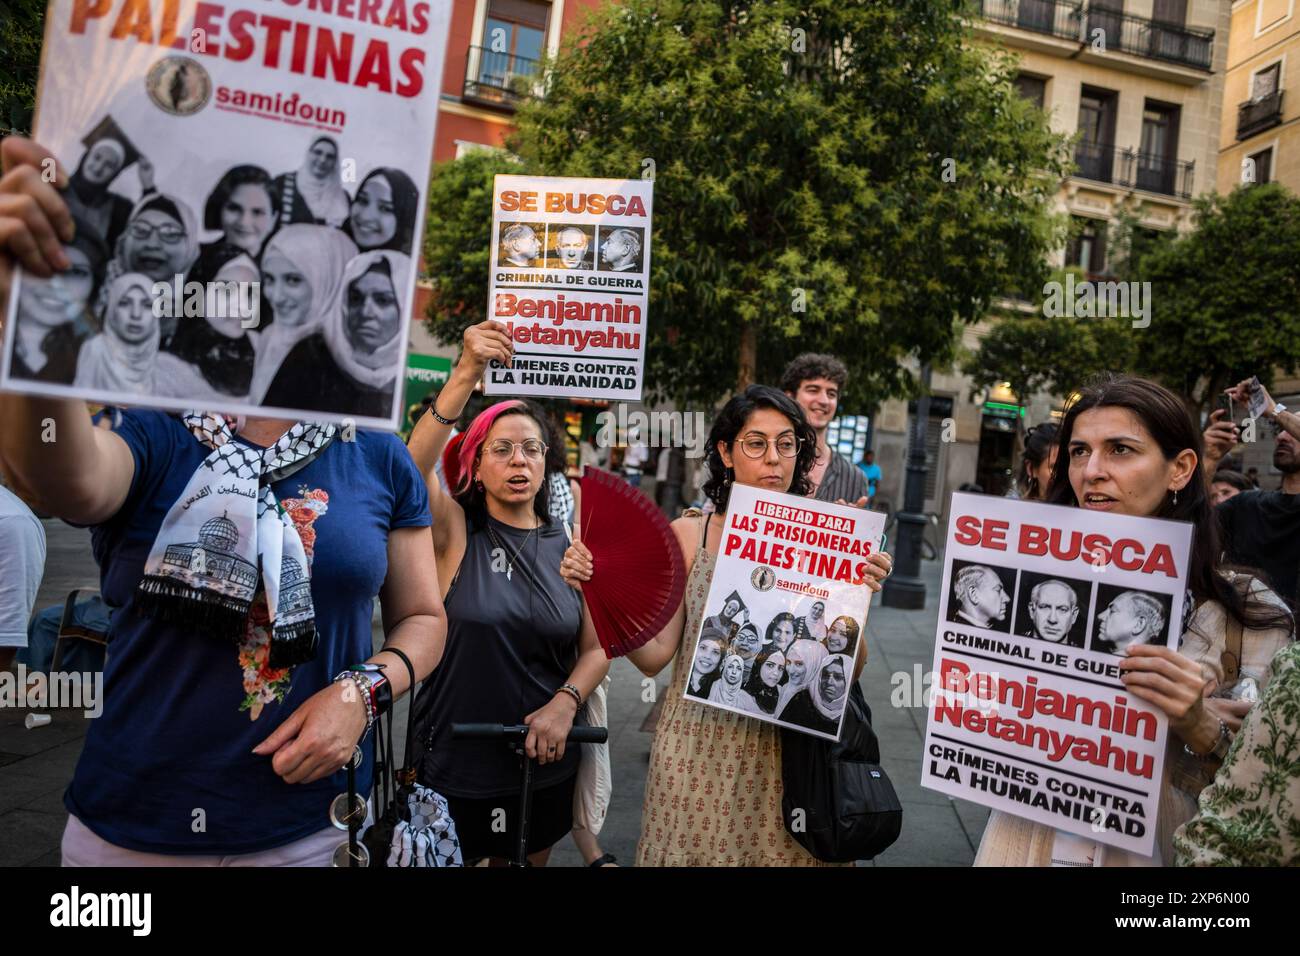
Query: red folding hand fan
point(639, 575)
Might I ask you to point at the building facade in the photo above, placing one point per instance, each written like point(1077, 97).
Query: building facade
point(1139, 84)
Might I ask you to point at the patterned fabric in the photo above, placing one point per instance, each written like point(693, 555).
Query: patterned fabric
point(713, 792)
point(842, 481)
point(1250, 815)
point(203, 568)
point(429, 838)
point(561, 497)
point(1015, 841)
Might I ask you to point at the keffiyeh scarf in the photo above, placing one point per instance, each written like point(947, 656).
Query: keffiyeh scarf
point(226, 535)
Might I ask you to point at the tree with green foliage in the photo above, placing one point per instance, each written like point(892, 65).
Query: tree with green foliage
point(857, 178)
point(1224, 305)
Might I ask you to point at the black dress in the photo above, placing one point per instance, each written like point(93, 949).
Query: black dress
point(310, 378)
point(800, 710)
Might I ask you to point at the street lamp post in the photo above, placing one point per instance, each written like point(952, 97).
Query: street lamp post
point(904, 588)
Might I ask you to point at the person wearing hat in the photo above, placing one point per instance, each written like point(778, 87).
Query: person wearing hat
point(733, 614)
point(108, 152)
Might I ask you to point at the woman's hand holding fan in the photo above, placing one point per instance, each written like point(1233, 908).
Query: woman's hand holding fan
point(643, 573)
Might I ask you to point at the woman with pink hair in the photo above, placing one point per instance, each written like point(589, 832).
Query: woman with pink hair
point(521, 648)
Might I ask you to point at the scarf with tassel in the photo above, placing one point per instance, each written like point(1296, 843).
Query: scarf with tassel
point(226, 535)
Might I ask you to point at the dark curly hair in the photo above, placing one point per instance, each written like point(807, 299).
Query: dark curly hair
point(813, 365)
point(1039, 442)
point(732, 419)
point(235, 177)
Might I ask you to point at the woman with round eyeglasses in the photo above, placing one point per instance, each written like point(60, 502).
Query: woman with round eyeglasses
point(521, 648)
point(760, 439)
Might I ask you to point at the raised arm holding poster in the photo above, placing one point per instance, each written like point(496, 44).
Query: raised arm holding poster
point(786, 612)
point(247, 186)
point(1028, 714)
point(570, 279)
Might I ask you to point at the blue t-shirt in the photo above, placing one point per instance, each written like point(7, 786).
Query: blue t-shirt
point(872, 471)
point(168, 767)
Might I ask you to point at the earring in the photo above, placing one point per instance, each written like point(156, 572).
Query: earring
point(730, 476)
point(1175, 497)
point(478, 483)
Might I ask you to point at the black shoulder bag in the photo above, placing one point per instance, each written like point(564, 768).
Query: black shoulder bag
point(838, 803)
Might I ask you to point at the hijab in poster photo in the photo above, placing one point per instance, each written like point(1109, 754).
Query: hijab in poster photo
point(90, 196)
point(314, 193)
point(765, 681)
point(54, 315)
point(384, 211)
point(124, 357)
point(302, 271)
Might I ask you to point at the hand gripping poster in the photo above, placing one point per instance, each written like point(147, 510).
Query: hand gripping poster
point(570, 280)
point(1027, 712)
point(247, 189)
point(786, 614)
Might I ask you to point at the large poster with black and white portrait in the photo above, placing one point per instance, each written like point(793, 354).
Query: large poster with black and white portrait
point(784, 621)
point(1027, 712)
point(570, 277)
point(247, 186)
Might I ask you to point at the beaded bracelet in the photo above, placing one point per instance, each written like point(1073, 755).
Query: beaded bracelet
point(572, 692)
point(364, 693)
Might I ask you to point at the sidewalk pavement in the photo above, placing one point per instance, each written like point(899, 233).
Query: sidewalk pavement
point(36, 765)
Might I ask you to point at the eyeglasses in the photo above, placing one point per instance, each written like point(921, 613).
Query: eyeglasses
point(787, 446)
point(503, 449)
point(168, 234)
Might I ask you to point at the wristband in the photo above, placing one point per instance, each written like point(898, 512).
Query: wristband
point(1219, 750)
point(433, 410)
point(572, 692)
point(363, 691)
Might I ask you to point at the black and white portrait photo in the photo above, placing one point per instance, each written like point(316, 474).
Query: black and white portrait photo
point(621, 248)
point(981, 595)
point(1053, 609)
point(1127, 616)
point(569, 246)
point(520, 245)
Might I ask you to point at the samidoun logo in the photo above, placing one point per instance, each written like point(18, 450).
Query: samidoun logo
point(74, 909)
point(179, 85)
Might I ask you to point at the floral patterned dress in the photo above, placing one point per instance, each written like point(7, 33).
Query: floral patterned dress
point(713, 791)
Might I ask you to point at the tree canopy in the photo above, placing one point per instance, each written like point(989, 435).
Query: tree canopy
point(1224, 305)
point(854, 178)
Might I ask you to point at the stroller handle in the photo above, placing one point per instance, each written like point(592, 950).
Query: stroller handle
point(578, 735)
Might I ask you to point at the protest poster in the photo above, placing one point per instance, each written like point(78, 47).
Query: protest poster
point(247, 181)
point(1027, 713)
point(786, 614)
point(570, 280)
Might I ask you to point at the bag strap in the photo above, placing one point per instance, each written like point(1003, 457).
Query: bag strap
point(406, 775)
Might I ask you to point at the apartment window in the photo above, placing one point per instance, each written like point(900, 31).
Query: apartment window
point(1032, 88)
point(1265, 82)
point(1263, 161)
point(516, 28)
point(1172, 12)
point(1087, 249)
point(1158, 154)
point(1095, 152)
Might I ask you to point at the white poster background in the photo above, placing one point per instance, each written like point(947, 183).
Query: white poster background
point(87, 76)
point(1078, 671)
point(579, 366)
point(840, 598)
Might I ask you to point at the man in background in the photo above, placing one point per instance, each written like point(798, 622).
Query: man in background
point(816, 382)
point(872, 473)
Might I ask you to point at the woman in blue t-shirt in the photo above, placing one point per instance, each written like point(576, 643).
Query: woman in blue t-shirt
point(225, 721)
point(521, 648)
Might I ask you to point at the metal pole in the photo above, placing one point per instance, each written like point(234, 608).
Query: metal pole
point(904, 588)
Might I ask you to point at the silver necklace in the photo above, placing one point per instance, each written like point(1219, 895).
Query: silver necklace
point(510, 565)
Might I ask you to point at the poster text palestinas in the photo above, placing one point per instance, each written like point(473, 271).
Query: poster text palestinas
point(1027, 711)
point(247, 182)
point(570, 280)
point(785, 618)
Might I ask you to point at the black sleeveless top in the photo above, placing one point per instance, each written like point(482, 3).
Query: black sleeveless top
point(511, 643)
